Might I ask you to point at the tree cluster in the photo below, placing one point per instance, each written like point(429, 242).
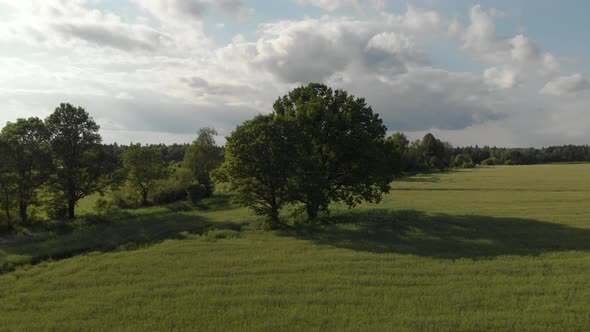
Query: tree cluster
point(61, 157)
point(525, 156)
point(54, 163)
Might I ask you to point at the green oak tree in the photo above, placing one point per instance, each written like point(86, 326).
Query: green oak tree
point(340, 149)
point(259, 161)
point(27, 151)
point(83, 166)
point(202, 157)
point(144, 166)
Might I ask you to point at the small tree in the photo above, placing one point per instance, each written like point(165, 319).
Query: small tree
point(259, 161)
point(27, 144)
point(202, 157)
point(144, 166)
point(83, 167)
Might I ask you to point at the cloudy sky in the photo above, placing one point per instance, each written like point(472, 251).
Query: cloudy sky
point(505, 73)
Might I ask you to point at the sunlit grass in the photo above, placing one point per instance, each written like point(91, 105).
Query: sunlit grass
point(505, 248)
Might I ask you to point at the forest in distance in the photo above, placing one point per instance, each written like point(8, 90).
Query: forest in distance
point(319, 146)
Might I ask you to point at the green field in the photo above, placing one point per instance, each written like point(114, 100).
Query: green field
point(498, 248)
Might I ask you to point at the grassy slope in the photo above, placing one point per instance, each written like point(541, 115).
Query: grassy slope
point(494, 248)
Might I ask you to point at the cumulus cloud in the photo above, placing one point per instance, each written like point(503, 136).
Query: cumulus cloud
point(156, 74)
point(194, 10)
point(566, 85)
point(519, 56)
point(502, 78)
point(330, 5)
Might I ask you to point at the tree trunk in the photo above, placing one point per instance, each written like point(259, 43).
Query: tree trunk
point(274, 217)
point(71, 209)
point(7, 208)
point(23, 211)
point(144, 197)
point(312, 210)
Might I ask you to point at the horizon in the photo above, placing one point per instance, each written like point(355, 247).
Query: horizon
point(483, 73)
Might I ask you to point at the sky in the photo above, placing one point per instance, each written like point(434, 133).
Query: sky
point(499, 73)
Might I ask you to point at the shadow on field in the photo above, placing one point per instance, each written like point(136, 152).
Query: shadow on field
point(443, 236)
point(419, 178)
point(126, 233)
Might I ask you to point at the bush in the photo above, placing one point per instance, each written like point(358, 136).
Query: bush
point(124, 198)
point(508, 162)
point(56, 211)
point(168, 191)
point(196, 192)
point(489, 162)
point(468, 164)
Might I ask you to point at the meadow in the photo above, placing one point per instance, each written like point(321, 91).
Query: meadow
point(491, 248)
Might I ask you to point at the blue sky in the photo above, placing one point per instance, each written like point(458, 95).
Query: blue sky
point(512, 73)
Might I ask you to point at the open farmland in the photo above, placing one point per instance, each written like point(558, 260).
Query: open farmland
point(493, 248)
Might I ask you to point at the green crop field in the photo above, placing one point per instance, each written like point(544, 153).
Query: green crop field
point(498, 248)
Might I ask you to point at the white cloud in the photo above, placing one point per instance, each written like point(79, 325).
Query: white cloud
point(156, 74)
point(566, 85)
point(330, 5)
point(502, 78)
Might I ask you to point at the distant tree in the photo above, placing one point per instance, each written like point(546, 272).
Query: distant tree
point(144, 166)
point(400, 144)
point(340, 149)
point(259, 161)
point(202, 157)
point(8, 182)
point(27, 150)
point(435, 153)
point(83, 166)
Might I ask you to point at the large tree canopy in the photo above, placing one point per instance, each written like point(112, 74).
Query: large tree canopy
point(319, 146)
point(83, 166)
point(341, 150)
point(259, 161)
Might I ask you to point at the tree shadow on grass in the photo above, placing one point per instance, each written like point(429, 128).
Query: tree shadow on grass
point(127, 232)
point(443, 236)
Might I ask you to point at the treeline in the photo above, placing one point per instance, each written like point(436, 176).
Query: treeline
point(48, 166)
point(432, 154)
point(318, 146)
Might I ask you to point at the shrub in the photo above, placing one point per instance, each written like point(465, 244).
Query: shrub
point(489, 161)
point(56, 211)
point(196, 192)
point(468, 164)
point(508, 162)
point(168, 191)
point(124, 198)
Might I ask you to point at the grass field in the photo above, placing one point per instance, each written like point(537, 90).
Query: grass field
point(504, 248)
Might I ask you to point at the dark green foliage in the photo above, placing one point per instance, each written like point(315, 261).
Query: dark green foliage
point(168, 191)
point(340, 149)
point(144, 166)
point(27, 161)
point(490, 161)
point(319, 146)
point(8, 186)
point(196, 192)
point(259, 162)
point(202, 157)
point(527, 156)
point(424, 155)
point(468, 164)
point(83, 166)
